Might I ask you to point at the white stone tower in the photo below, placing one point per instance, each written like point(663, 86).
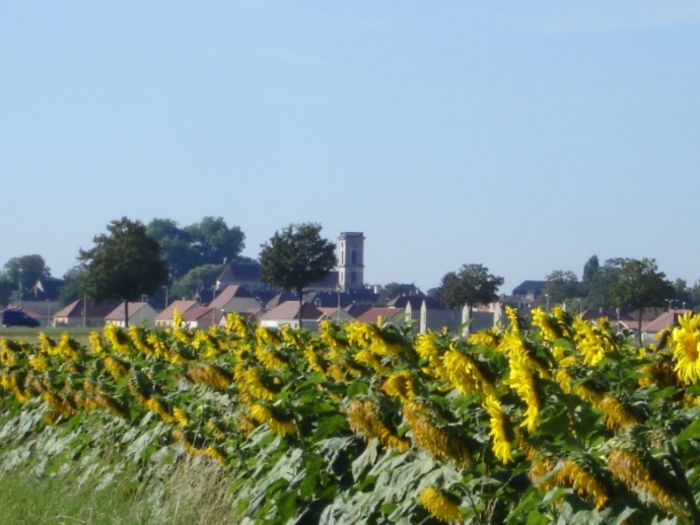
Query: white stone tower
point(351, 260)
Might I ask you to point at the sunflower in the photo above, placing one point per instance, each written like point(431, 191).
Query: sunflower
point(441, 506)
point(501, 445)
point(686, 347)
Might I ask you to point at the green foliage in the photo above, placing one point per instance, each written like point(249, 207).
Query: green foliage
point(597, 286)
point(471, 285)
point(394, 289)
point(214, 242)
point(197, 279)
point(124, 263)
point(22, 273)
point(296, 257)
point(6, 289)
point(355, 423)
point(562, 286)
point(208, 242)
point(74, 285)
point(639, 283)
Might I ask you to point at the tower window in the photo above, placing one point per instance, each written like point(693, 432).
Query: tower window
point(353, 277)
point(354, 257)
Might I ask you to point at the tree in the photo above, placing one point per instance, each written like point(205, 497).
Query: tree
point(562, 285)
point(198, 278)
point(682, 295)
point(74, 285)
point(214, 241)
point(25, 271)
point(394, 289)
point(471, 285)
point(6, 288)
point(175, 246)
point(590, 269)
point(296, 257)
point(639, 285)
point(209, 241)
point(124, 264)
point(695, 294)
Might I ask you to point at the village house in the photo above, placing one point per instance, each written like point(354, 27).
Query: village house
point(83, 312)
point(202, 317)
point(140, 314)
point(236, 298)
point(287, 313)
point(164, 319)
point(667, 319)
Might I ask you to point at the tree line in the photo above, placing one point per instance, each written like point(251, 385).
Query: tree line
point(131, 260)
point(136, 259)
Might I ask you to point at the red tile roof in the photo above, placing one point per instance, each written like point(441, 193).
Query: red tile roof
point(665, 320)
point(228, 293)
point(118, 313)
point(182, 306)
point(290, 310)
point(75, 309)
point(385, 312)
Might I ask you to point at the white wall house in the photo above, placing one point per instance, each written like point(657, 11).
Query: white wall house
point(287, 313)
point(140, 314)
point(165, 318)
point(237, 299)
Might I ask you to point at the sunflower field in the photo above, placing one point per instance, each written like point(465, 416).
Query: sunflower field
point(554, 420)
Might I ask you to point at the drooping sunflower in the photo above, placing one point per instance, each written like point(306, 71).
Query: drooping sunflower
point(441, 506)
point(686, 348)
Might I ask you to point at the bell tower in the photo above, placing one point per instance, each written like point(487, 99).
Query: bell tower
point(351, 260)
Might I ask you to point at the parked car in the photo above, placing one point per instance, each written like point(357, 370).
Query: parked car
point(11, 317)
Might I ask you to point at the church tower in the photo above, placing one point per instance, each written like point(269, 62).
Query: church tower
point(351, 260)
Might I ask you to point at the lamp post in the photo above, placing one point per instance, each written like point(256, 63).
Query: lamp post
point(19, 289)
point(337, 312)
point(166, 295)
point(546, 298)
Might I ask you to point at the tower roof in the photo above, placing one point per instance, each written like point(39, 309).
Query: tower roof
point(345, 235)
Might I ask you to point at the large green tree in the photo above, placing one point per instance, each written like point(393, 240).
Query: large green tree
point(473, 284)
point(638, 284)
point(6, 289)
point(207, 242)
point(74, 285)
point(214, 241)
point(683, 294)
point(562, 285)
point(24, 271)
point(596, 283)
point(175, 246)
point(125, 264)
point(393, 289)
point(296, 257)
point(197, 279)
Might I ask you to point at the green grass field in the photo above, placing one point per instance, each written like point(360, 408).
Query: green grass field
point(30, 334)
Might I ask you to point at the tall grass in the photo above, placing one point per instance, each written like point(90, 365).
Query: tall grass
point(195, 493)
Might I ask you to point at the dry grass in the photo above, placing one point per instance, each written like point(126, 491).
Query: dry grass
point(194, 493)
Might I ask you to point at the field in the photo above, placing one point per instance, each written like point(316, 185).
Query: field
point(31, 335)
point(556, 420)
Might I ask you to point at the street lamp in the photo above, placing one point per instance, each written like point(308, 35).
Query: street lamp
point(546, 298)
point(337, 312)
point(19, 288)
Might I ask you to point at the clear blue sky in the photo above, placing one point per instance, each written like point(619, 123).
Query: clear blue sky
point(525, 135)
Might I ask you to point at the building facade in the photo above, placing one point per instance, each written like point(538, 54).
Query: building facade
point(351, 261)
